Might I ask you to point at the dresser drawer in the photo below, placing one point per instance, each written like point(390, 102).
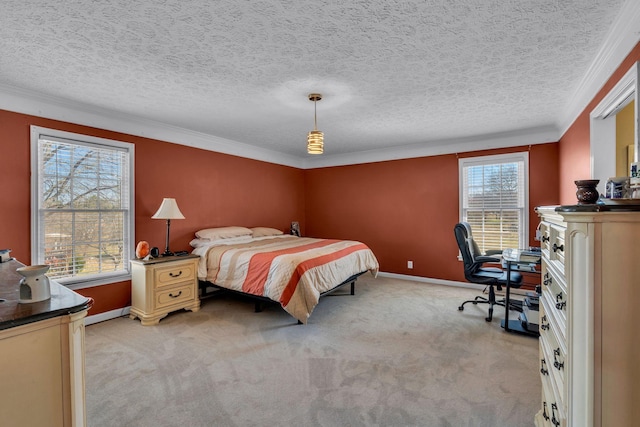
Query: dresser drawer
point(554, 290)
point(545, 238)
point(174, 273)
point(174, 295)
point(553, 383)
point(553, 352)
point(553, 413)
point(556, 247)
point(555, 318)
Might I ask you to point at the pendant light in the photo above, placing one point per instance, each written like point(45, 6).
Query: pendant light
point(315, 138)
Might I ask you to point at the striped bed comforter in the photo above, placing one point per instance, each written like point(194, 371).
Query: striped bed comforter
point(291, 270)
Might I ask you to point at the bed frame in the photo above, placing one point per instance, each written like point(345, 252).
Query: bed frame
point(260, 301)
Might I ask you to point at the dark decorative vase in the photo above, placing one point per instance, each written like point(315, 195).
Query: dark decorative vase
point(587, 193)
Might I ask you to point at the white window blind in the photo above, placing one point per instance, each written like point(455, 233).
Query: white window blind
point(494, 199)
point(82, 206)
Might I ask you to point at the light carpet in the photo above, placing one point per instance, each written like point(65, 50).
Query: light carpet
point(398, 353)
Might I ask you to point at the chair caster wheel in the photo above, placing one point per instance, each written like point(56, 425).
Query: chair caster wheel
point(460, 308)
point(488, 319)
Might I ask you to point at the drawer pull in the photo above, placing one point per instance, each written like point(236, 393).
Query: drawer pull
point(547, 279)
point(544, 411)
point(545, 238)
point(176, 275)
point(543, 367)
point(559, 303)
point(175, 296)
point(544, 326)
point(558, 365)
point(557, 248)
point(554, 420)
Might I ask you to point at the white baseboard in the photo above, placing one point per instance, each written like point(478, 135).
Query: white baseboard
point(430, 280)
point(445, 282)
point(124, 311)
point(107, 315)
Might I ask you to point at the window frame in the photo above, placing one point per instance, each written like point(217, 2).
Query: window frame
point(80, 282)
point(523, 157)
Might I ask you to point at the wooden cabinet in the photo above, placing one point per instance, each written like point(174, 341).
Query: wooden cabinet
point(43, 379)
point(42, 353)
point(589, 351)
point(163, 285)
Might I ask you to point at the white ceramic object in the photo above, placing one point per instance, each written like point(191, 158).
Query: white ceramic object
point(34, 286)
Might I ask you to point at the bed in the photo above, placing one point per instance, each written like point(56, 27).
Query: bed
point(266, 264)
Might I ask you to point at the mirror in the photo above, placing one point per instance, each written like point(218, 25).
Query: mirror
point(610, 141)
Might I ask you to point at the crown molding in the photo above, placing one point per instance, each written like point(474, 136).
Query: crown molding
point(622, 94)
point(539, 135)
point(40, 105)
point(622, 38)
point(36, 104)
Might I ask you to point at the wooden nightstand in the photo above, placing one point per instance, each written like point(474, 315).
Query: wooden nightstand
point(162, 285)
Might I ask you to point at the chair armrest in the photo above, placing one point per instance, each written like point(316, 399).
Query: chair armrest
point(483, 259)
point(493, 252)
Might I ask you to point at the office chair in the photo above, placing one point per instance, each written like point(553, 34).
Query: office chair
point(475, 272)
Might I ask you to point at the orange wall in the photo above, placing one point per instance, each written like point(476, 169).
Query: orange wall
point(575, 162)
point(406, 209)
point(211, 189)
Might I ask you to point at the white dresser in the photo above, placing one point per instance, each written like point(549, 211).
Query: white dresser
point(589, 345)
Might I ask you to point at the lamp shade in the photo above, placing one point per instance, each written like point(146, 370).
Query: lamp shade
point(168, 210)
point(315, 138)
point(315, 142)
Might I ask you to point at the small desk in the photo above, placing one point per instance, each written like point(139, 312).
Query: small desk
point(514, 257)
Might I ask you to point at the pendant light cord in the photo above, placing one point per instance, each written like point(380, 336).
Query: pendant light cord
point(315, 113)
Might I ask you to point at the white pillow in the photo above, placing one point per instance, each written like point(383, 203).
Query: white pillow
point(266, 231)
point(222, 233)
point(198, 243)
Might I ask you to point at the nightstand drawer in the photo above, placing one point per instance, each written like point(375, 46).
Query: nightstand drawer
point(174, 273)
point(163, 285)
point(174, 295)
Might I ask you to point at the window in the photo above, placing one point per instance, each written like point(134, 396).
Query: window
point(494, 199)
point(82, 206)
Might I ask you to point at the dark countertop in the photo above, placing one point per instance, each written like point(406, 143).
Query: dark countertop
point(606, 205)
point(12, 313)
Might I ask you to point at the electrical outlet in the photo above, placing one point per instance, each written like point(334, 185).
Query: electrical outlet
point(409, 265)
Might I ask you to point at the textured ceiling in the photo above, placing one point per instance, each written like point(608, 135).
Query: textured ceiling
point(392, 72)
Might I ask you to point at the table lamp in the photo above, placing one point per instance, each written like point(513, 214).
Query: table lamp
point(168, 210)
